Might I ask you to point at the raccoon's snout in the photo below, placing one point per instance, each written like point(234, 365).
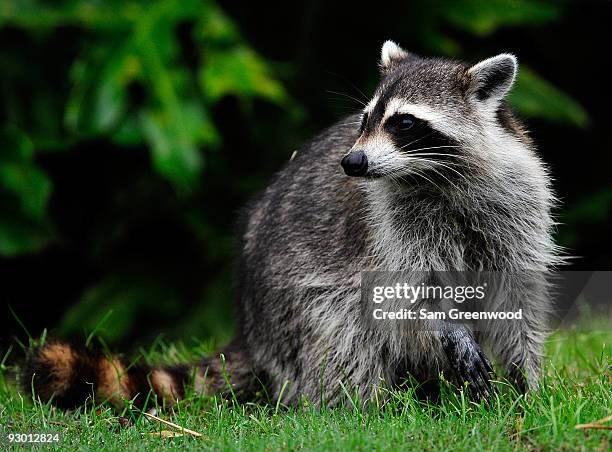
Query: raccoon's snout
point(355, 163)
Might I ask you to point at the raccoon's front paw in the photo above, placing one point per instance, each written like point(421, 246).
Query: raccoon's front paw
point(468, 361)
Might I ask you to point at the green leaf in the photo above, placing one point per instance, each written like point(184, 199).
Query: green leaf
point(533, 96)
point(36, 15)
point(98, 99)
point(30, 184)
point(241, 72)
point(135, 44)
point(128, 133)
point(174, 124)
point(21, 236)
point(20, 177)
point(214, 26)
point(173, 138)
point(24, 194)
point(484, 17)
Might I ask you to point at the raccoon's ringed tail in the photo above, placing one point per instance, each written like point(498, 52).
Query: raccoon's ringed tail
point(70, 377)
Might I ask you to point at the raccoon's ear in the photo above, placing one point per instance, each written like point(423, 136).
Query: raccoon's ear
point(391, 55)
point(491, 79)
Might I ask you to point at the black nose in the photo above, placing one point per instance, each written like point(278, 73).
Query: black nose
point(355, 163)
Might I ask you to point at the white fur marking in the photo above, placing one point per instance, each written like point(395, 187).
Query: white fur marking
point(421, 111)
point(481, 70)
point(391, 51)
point(371, 105)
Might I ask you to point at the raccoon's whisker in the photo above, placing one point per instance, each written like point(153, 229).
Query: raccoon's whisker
point(438, 162)
point(432, 168)
point(386, 171)
point(351, 84)
point(467, 161)
point(347, 109)
point(348, 96)
point(394, 180)
point(366, 98)
point(445, 166)
point(390, 172)
point(431, 147)
point(418, 139)
point(410, 176)
point(442, 154)
point(418, 173)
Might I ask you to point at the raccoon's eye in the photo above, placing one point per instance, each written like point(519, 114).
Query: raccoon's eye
point(364, 121)
point(401, 123)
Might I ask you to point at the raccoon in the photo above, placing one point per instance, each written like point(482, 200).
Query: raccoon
point(435, 174)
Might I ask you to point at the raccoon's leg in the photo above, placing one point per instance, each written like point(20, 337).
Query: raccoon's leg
point(518, 344)
point(519, 350)
point(69, 377)
point(467, 360)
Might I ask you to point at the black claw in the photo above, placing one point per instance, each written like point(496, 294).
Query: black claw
point(480, 384)
point(483, 387)
point(468, 362)
point(485, 361)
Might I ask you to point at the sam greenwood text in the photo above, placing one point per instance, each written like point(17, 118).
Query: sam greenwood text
point(452, 314)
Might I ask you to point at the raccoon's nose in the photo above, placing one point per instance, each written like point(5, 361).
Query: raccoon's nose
point(355, 163)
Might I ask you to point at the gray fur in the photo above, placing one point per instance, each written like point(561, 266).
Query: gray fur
point(308, 236)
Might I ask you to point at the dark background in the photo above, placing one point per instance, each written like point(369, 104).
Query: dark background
point(132, 132)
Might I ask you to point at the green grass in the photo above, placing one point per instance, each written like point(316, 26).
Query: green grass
point(576, 389)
